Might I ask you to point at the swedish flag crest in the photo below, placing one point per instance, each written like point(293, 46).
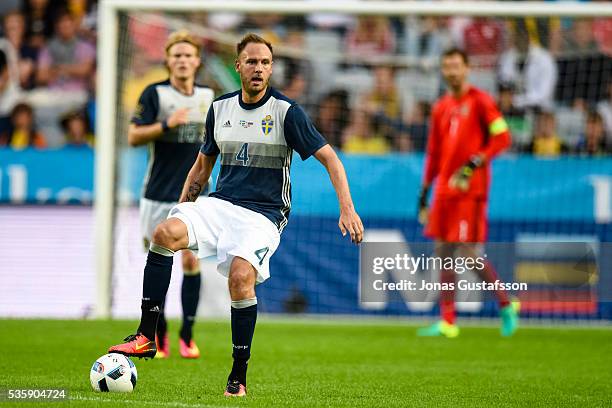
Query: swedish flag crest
point(267, 124)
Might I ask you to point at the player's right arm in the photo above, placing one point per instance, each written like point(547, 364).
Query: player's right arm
point(432, 164)
point(198, 177)
point(143, 134)
point(145, 126)
point(202, 168)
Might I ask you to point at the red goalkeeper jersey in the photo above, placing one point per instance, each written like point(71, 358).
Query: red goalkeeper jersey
point(461, 128)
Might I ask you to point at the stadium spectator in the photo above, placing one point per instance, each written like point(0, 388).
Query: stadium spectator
point(546, 32)
point(483, 41)
point(22, 132)
point(593, 140)
point(85, 13)
point(13, 25)
point(424, 39)
point(66, 62)
point(9, 87)
point(372, 36)
point(604, 108)
point(331, 117)
point(384, 98)
point(268, 25)
point(360, 136)
point(295, 71)
point(66, 67)
point(418, 127)
point(40, 17)
point(515, 117)
point(602, 31)
point(546, 142)
point(150, 36)
point(538, 76)
point(383, 102)
point(583, 69)
point(581, 39)
point(77, 130)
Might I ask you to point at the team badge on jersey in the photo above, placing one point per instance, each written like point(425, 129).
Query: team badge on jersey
point(266, 124)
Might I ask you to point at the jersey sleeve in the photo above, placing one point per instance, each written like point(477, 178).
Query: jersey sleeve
point(301, 134)
point(432, 159)
point(209, 147)
point(499, 135)
point(147, 108)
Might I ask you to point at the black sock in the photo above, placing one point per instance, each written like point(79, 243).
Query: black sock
point(162, 326)
point(190, 297)
point(155, 284)
point(243, 327)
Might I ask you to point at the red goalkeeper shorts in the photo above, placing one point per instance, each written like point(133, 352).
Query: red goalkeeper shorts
point(457, 220)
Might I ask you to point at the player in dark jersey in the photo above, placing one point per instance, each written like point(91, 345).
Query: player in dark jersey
point(169, 119)
point(254, 131)
point(467, 131)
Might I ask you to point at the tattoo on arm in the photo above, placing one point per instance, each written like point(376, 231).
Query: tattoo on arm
point(194, 191)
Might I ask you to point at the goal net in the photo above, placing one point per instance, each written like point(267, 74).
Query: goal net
point(368, 75)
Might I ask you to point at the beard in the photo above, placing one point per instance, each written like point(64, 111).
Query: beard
point(253, 90)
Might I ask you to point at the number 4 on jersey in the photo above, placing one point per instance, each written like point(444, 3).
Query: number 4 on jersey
point(243, 154)
point(261, 254)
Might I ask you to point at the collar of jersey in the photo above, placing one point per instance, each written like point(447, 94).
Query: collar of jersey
point(261, 102)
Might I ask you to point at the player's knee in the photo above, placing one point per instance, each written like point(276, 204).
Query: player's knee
point(191, 265)
point(168, 235)
point(242, 280)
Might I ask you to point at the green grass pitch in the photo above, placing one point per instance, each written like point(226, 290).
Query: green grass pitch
point(301, 363)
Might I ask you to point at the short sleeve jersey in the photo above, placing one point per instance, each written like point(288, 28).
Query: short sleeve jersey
point(172, 155)
point(256, 143)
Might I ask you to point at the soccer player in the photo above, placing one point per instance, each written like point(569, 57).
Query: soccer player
point(169, 119)
point(255, 131)
point(467, 131)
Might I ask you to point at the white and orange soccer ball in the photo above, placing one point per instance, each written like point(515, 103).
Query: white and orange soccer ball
point(113, 373)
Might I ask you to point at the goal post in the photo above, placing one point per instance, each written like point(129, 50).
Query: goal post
point(107, 126)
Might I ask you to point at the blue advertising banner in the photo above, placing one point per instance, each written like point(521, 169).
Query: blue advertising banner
point(523, 188)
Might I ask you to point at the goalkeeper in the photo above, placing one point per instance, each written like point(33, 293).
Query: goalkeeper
point(467, 131)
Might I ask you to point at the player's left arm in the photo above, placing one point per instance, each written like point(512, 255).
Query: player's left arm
point(349, 219)
point(498, 132)
point(302, 136)
point(498, 140)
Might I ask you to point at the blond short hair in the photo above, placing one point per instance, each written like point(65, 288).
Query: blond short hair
point(180, 37)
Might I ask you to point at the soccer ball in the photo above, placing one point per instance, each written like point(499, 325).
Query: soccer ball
point(113, 373)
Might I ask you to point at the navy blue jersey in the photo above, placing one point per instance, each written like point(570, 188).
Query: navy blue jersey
point(173, 153)
point(256, 143)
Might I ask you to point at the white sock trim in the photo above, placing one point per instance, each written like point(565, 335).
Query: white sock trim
point(241, 304)
point(158, 249)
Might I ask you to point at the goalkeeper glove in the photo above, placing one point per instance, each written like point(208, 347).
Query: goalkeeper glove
point(461, 178)
point(422, 210)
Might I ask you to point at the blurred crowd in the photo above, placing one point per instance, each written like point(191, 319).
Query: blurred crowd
point(368, 82)
point(47, 73)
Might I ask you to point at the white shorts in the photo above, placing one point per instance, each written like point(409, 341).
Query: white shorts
point(152, 213)
point(218, 227)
